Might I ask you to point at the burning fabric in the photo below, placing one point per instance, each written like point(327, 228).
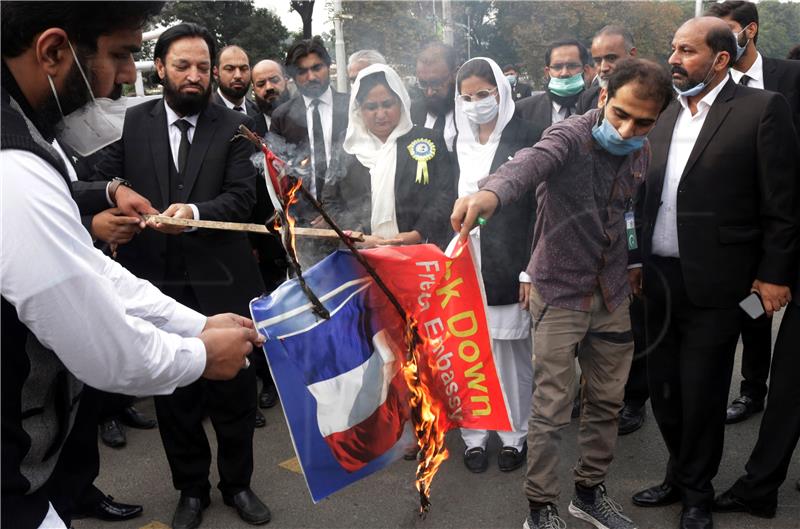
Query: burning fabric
point(353, 391)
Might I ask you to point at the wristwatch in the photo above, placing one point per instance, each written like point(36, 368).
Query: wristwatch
point(114, 185)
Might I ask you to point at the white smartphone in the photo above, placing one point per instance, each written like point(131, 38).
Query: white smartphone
point(752, 305)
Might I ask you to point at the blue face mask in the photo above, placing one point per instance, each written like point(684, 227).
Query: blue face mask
point(740, 49)
point(512, 79)
point(607, 136)
point(696, 89)
point(566, 87)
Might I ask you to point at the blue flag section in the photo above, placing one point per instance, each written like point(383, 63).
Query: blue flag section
point(340, 381)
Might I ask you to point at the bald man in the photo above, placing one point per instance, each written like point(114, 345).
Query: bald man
point(269, 89)
point(718, 222)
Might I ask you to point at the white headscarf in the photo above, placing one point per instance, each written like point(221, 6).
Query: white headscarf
point(379, 158)
point(474, 159)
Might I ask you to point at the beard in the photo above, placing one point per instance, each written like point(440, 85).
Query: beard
point(73, 96)
point(267, 106)
point(186, 104)
point(234, 93)
point(689, 81)
point(314, 89)
point(441, 105)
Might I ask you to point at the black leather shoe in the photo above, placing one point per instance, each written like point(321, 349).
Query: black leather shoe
point(189, 512)
point(260, 420)
point(658, 496)
point(110, 511)
point(696, 518)
point(475, 460)
point(510, 458)
point(631, 418)
point(130, 416)
point(728, 502)
point(251, 509)
point(268, 396)
point(741, 408)
point(112, 434)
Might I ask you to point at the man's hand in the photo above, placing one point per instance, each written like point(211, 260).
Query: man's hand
point(227, 350)
point(178, 211)
point(635, 280)
point(132, 204)
point(371, 241)
point(524, 295)
point(113, 227)
point(773, 297)
point(228, 320)
point(466, 211)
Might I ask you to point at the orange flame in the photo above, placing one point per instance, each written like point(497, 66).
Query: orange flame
point(291, 198)
point(425, 413)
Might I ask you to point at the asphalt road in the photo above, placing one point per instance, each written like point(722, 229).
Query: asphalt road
point(139, 473)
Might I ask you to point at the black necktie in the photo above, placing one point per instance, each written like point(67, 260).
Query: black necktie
point(439, 124)
point(237, 109)
point(320, 160)
point(183, 149)
point(745, 80)
point(567, 112)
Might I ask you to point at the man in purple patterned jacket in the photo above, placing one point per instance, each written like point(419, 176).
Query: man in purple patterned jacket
point(585, 172)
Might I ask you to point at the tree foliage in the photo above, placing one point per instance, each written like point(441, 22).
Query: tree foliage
point(258, 31)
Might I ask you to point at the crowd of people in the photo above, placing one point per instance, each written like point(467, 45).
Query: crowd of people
point(619, 218)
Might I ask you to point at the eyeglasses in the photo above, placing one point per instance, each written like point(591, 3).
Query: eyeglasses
point(435, 86)
point(559, 66)
point(372, 107)
point(477, 96)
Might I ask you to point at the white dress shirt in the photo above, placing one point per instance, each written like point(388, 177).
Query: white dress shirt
point(559, 112)
point(242, 107)
point(449, 127)
point(175, 143)
point(326, 117)
point(756, 73)
point(112, 330)
point(684, 136)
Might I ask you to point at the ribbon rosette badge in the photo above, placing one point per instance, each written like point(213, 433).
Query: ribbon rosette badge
point(422, 150)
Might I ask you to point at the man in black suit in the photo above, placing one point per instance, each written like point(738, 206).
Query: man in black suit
point(177, 152)
point(519, 90)
point(566, 63)
point(718, 220)
point(269, 90)
point(318, 116)
point(777, 75)
point(609, 45)
point(436, 80)
point(232, 74)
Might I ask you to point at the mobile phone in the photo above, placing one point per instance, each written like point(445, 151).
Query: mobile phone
point(752, 305)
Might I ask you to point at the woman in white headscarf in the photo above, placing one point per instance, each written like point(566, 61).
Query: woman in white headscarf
point(389, 179)
point(489, 135)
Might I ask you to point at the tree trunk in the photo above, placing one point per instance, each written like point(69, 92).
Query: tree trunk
point(305, 9)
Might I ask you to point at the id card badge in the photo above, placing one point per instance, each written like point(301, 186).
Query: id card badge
point(630, 230)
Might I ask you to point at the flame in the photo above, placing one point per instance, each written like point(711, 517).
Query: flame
point(425, 413)
point(291, 198)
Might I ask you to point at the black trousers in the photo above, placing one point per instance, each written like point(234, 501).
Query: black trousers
point(780, 425)
point(636, 391)
point(756, 353)
point(231, 406)
point(689, 372)
point(71, 486)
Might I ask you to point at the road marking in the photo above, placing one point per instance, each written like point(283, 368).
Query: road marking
point(154, 525)
point(292, 465)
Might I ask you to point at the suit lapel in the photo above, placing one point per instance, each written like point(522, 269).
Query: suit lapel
point(339, 115)
point(716, 115)
point(160, 148)
point(544, 113)
point(202, 139)
point(770, 73)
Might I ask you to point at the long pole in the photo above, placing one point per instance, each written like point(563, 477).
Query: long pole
point(341, 56)
point(698, 7)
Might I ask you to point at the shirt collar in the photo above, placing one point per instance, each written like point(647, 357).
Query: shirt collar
point(708, 99)
point(326, 98)
point(172, 117)
point(228, 103)
point(756, 71)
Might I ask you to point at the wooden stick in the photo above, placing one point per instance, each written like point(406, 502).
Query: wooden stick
point(314, 233)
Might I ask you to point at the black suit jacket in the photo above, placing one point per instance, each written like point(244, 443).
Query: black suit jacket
point(588, 99)
point(536, 110)
point(783, 76)
point(506, 240)
point(219, 179)
point(422, 207)
point(736, 199)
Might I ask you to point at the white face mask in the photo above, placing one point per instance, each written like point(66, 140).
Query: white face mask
point(483, 111)
point(95, 125)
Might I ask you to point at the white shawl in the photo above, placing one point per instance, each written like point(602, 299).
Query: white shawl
point(379, 158)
